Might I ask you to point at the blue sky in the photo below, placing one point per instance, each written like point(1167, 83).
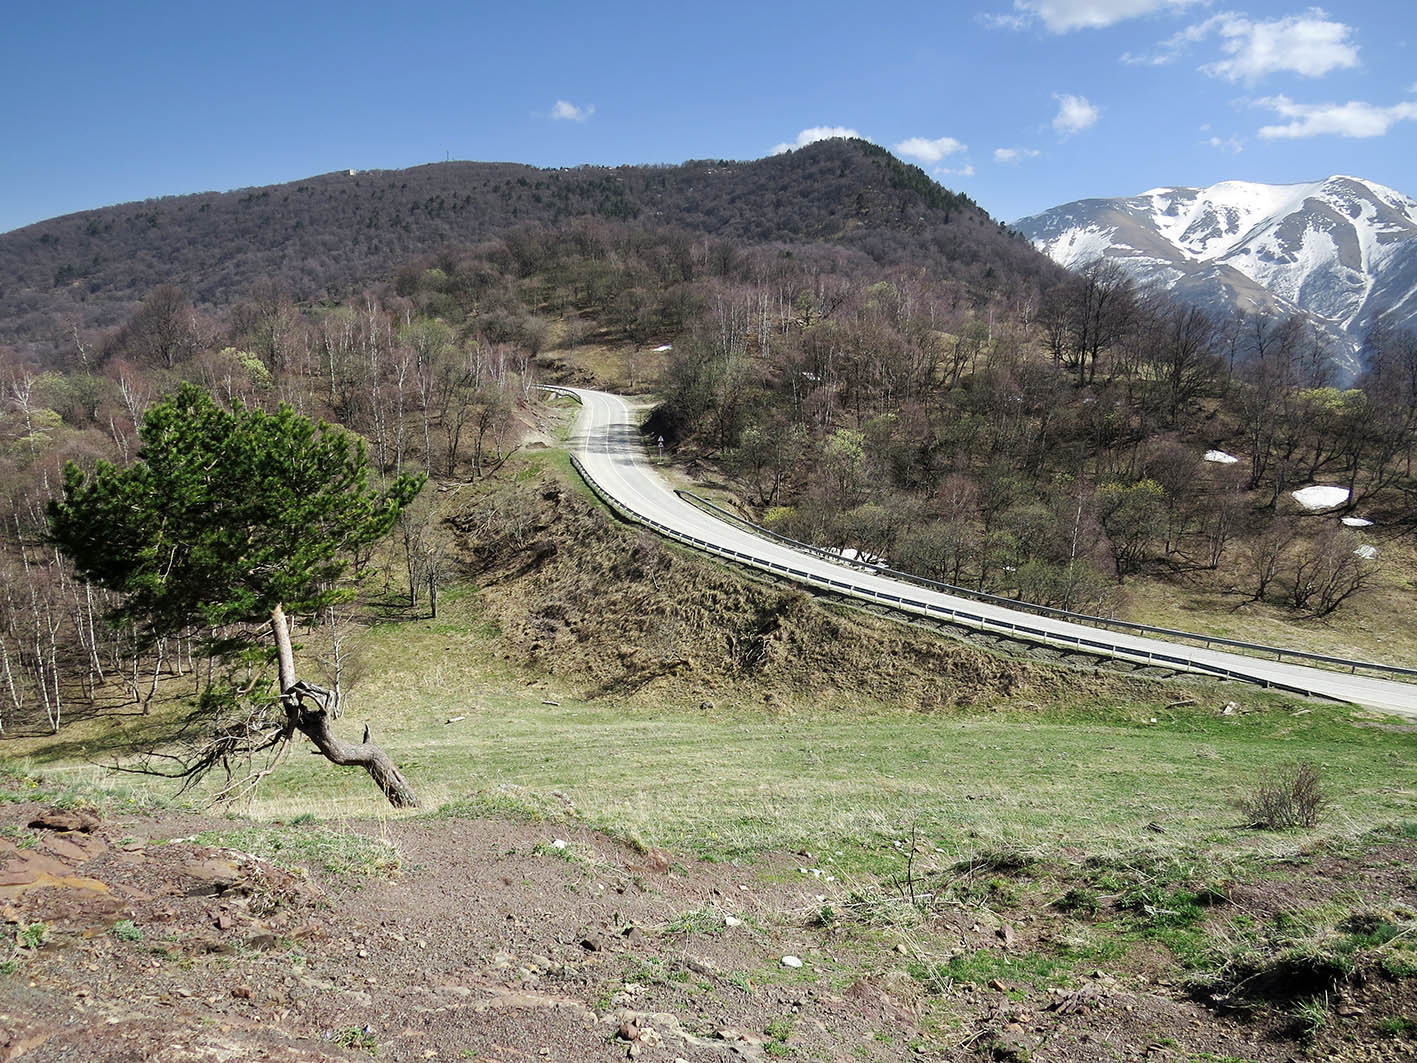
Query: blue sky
point(1022, 104)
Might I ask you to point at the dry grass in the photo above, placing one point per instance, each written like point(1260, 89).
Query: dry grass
point(609, 367)
point(1378, 624)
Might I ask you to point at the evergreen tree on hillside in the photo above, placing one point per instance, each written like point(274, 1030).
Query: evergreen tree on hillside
point(229, 521)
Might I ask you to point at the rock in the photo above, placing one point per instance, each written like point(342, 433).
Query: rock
point(65, 819)
point(72, 851)
point(213, 876)
point(732, 920)
point(792, 961)
point(1231, 708)
point(223, 921)
point(591, 943)
point(241, 992)
point(995, 983)
point(1006, 934)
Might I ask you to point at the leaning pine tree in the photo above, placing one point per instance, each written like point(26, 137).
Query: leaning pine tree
point(228, 523)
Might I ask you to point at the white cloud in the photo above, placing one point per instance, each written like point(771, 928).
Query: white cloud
point(1014, 156)
point(1173, 46)
point(1310, 44)
point(1074, 114)
point(967, 170)
point(1232, 144)
point(1062, 16)
point(1352, 119)
point(564, 110)
point(816, 133)
point(1157, 59)
point(1003, 22)
point(928, 150)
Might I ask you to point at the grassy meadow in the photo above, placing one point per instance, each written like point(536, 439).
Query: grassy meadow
point(737, 779)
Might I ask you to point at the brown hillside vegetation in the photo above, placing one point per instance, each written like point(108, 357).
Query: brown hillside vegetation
point(579, 594)
point(330, 236)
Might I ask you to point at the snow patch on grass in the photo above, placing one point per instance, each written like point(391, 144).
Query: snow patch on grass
point(1320, 496)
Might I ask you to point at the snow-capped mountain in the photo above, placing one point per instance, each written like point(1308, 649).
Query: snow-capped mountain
point(1343, 250)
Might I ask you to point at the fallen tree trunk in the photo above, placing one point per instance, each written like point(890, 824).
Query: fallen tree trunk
point(314, 724)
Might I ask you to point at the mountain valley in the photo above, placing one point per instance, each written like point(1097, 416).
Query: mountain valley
point(1342, 250)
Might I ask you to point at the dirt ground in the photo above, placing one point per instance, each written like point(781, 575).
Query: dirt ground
point(501, 940)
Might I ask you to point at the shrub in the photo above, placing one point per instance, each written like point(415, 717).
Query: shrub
point(1291, 795)
point(1079, 899)
point(1007, 859)
point(126, 930)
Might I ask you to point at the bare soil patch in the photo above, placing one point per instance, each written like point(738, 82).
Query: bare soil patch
point(502, 940)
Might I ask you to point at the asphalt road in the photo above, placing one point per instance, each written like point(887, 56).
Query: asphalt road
point(607, 441)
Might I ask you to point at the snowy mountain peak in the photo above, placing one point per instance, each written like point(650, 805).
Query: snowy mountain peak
point(1343, 250)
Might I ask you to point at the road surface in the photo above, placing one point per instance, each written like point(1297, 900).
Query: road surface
point(607, 441)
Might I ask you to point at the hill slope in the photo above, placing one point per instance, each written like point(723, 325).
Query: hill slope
point(1343, 250)
point(329, 235)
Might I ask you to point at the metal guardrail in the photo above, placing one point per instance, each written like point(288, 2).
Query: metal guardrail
point(927, 608)
point(1279, 653)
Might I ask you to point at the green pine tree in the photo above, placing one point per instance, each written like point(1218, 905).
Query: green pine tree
point(229, 518)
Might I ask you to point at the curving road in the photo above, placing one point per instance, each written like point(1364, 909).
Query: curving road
point(606, 439)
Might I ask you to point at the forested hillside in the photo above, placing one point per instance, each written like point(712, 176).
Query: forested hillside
point(901, 378)
point(327, 237)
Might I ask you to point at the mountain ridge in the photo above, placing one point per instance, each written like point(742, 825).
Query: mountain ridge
point(1342, 249)
point(331, 235)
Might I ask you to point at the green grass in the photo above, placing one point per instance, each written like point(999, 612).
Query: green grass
point(845, 783)
point(844, 780)
point(832, 782)
point(703, 920)
point(982, 966)
point(31, 935)
point(357, 1038)
point(125, 930)
point(1398, 1026)
point(335, 852)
